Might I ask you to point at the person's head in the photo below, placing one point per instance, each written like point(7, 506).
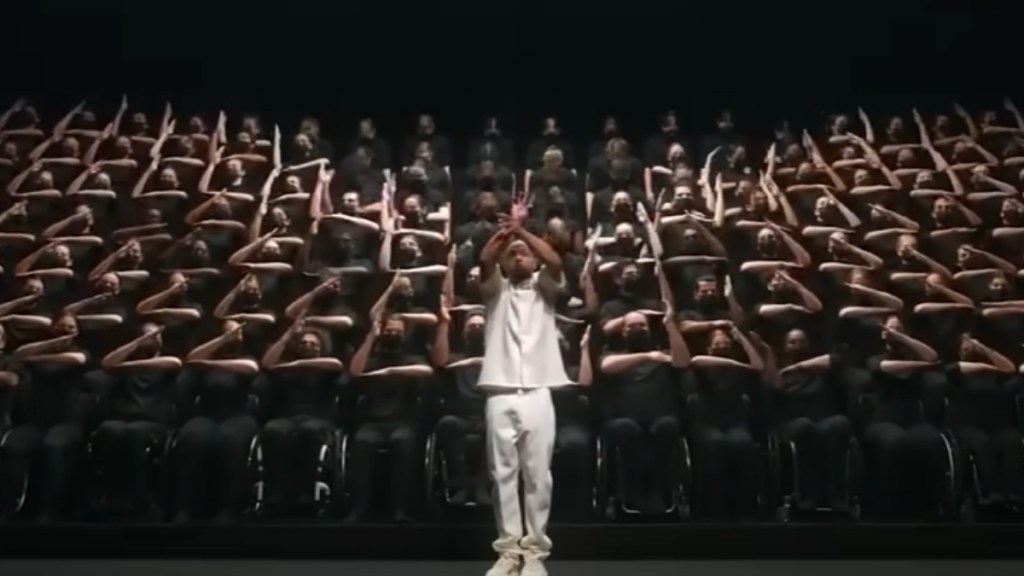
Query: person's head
point(896, 129)
point(292, 184)
point(904, 244)
point(557, 234)
point(669, 123)
point(101, 181)
point(794, 153)
point(894, 323)
point(367, 129)
point(724, 121)
point(961, 151)
point(683, 196)
point(862, 177)
point(33, 287)
point(154, 344)
point(86, 120)
point(350, 202)
point(1012, 212)
point(310, 343)
point(392, 333)
point(518, 262)
point(622, 205)
point(942, 123)
point(849, 152)
point(905, 158)
point(270, 252)
point(122, 147)
point(139, 123)
point(252, 124)
point(64, 324)
point(757, 202)
point(489, 153)
point(550, 127)
point(61, 255)
point(989, 118)
point(153, 216)
point(998, 288)
point(412, 208)
point(9, 150)
point(200, 252)
point(185, 147)
point(234, 169)
point(924, 179)
point(611, 127)
point(745, 186)
point(629, 278)
point(737, 156)
point(279, 217)
point(720, 343)
point(69, 147)
point(310, 127)
point(552, 157)
point(691, 242)
point(43, 180)
point(805, 172)
point(636, 332)
point(861, 277)
point(778, 287)
point(363, 156)
point(244, 142)
point(250, 295)
point(473, 332)
point(108, 283)
point(979, 175)
point(409, 250)
point(676, 153)
point(768, 241)
point(796, 345)
point(220, 208)
point(168, 179)
point(425, 152)
point(942, 209)
point(840, 124)
point(705, 292)
point(472, 286)
point(825, 209)
point(491, 128)
point(425, 125)
point(302, 144)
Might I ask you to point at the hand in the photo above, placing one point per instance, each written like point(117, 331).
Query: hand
point(235, 333)
point(298, 324)
point(722, 324)
point(124, 102)
point(959, 110)
point(585, 339)
point(153, 334)
point(659, 356)
point(917, 117)
point(330, 285)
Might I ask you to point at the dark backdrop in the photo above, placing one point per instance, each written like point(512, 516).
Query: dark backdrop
point(344, 59)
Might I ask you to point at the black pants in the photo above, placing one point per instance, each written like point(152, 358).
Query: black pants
point(399, 440)
point(726, 468)
point(645, 455)
point(821, 452)
point(906, 465)
point(213, 454)
point(120, 455)
point(573, 469)
point(998, 458)
point(291, 451)
point(49, 458)
point(453, 433)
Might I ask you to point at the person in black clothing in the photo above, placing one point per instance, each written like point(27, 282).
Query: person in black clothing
point(551, 136)
point(215, 442)
point(388, 417)
point(981, 412)
point(807, 406)
point(906, 455)
point(630, 298)
point(426, 133)
point(463, 405)
point(641, 410)
point(609, 132)
point(311, 127)
point(302, 381)
point(503, 147)
point(722, 412)
point(367, 137)
point(657, 147)
point(137, 404)
point(724, 136)
point(46, 444)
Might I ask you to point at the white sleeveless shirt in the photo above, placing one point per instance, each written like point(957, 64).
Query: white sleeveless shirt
point(521, 340)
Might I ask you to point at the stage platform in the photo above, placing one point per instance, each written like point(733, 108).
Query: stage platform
point(450, 542)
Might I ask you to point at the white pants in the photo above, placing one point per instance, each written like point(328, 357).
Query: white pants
point(521, 438)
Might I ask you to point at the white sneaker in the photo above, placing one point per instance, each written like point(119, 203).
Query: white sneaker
point(507, 565)
point(533, 566)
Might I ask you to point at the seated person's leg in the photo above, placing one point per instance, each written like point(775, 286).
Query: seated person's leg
point(235, 438)
point(926, 454)
point(977, 444)
point(110, 448)
point(277, 448)
point(310, 436)
point(835, 433)
point(62, 455)
point(193, 461)
point(710, 462)
point(451, 438)
point(745, 469)
point(402, 448)
point(16, 456)
point(627, 450)
point(574, 463)
point(143, 436)
point(1011, 456)
point(367, 440)
point(664, 438)
point(882, 444)
point(803, 434)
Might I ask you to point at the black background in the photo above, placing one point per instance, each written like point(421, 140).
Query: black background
point(341, 60)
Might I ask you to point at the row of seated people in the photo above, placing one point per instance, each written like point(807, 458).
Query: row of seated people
point(830, 259)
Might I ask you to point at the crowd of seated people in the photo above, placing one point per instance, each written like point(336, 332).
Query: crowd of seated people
point(200, 312)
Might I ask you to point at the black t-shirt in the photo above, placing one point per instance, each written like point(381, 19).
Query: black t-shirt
point(303, 392)
point(391, 398)
point(215, 393)
point(142, 394)
point(54, 393)
point(813, 394)
point(466, 398)
point(898, 395)
point(725, 393)
point(981, 399)
point(643, 393)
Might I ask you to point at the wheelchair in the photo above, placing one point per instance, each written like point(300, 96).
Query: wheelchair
point(785, 465)
point(438, 486)
point(970, 486)
point(953, 472)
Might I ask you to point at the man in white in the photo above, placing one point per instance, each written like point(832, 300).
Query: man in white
point(521, 363)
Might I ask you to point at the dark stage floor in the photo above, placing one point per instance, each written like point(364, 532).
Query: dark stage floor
point(566, 568)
